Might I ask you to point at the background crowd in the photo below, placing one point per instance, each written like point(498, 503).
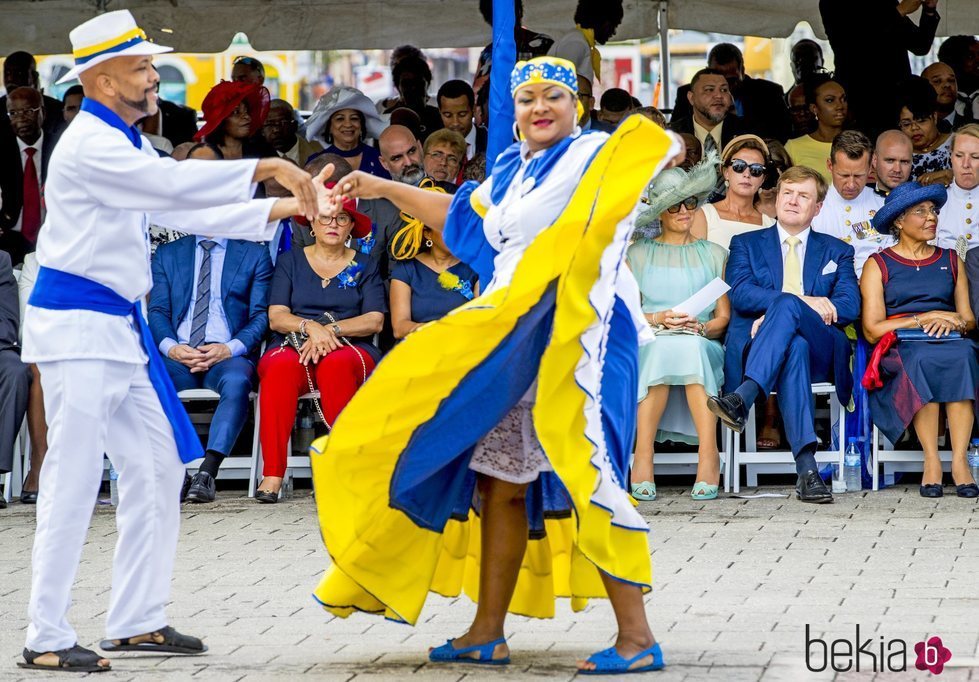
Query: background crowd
point(841, 212)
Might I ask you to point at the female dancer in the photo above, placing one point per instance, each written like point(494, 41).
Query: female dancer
point(525, 394)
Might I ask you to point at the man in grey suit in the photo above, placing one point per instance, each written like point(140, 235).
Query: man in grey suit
point(15, 376)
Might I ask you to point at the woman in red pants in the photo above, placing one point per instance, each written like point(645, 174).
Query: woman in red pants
point(325, 304)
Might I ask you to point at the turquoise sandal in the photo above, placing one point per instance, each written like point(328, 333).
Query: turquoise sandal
point(449, 654)
point(703, 491)
point(644, 491)
point(608, 662)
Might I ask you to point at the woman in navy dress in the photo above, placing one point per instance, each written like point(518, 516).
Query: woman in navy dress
point(914, 288)
point(427, 281)
point(337, 355)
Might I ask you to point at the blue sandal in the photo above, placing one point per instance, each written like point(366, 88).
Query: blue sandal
point(449, 654)
point(608, 662)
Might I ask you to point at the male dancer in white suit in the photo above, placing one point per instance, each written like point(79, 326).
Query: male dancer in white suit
point(105, 389)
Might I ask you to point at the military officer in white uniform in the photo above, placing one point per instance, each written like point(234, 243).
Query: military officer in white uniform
point(850, 204)
point(103, 387)
point(958, 223)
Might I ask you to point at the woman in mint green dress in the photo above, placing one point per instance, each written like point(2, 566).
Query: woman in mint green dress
point(685, 364)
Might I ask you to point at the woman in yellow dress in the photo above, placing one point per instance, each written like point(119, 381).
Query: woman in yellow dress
point(489, 451)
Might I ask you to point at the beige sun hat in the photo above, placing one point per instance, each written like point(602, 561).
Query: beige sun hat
point(109, 35)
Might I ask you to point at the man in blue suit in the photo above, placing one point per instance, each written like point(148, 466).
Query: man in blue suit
point(208, 314)
point(793, 291)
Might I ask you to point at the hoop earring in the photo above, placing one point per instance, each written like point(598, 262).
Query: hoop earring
point(428, 243)
point(516, 132)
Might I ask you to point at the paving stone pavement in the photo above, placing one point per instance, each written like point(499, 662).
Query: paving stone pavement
point(736, 582)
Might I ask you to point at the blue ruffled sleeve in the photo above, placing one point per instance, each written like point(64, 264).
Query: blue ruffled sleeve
point(463, 232)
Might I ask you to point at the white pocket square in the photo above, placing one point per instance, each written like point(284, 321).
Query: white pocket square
point(830, 268)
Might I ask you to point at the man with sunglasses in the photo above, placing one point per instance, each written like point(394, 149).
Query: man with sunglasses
point(850, 204)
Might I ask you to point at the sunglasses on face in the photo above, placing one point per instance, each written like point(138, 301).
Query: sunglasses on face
point(690, 203)
point(739, 166)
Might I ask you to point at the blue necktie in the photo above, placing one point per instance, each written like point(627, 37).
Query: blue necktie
point(198, 323)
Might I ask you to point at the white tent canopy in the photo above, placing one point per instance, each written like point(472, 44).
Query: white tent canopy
point(42, 26)
point(778, 18)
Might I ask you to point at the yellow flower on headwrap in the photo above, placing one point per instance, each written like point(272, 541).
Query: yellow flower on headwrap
point(407, 241)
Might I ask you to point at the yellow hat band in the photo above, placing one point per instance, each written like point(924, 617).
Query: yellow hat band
point(117, 44)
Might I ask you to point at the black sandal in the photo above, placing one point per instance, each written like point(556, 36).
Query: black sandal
point(77, 659)
point(173, 643)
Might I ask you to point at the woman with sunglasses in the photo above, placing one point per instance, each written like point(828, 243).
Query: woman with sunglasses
point(827, 101)
point(685, 365)
point(745, 163)
point(335, 352)
point(916, 310)
point(931, 162)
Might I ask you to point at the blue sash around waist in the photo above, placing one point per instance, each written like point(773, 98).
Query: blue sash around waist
point(57, 290)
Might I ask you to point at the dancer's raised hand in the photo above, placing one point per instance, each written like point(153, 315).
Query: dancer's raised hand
point(294, 179)
point(324, 195)
point(360, 185)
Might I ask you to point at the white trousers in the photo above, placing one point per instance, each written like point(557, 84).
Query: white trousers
point(95, 407)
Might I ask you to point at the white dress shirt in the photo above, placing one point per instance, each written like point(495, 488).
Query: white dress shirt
point(959, 217)
point(38, 146)
point(851, 222)
point(102, 194)
point(471, 142)
point(800, 248)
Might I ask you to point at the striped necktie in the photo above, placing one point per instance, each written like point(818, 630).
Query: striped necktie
point(198, 323)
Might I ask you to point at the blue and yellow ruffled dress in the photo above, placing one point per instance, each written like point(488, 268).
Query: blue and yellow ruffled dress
point(394, 491)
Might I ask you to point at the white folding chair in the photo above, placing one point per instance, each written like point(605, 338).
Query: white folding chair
point(782, 461)
point(894, 461)
point(231, 467)
point(297, 466)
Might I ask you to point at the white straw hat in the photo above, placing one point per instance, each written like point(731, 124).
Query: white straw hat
point(113, 34)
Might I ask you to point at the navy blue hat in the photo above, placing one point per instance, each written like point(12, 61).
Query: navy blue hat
point(904, 197)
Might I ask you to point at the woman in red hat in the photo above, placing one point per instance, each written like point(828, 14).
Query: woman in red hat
point(233, 115)
point(326, 302)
